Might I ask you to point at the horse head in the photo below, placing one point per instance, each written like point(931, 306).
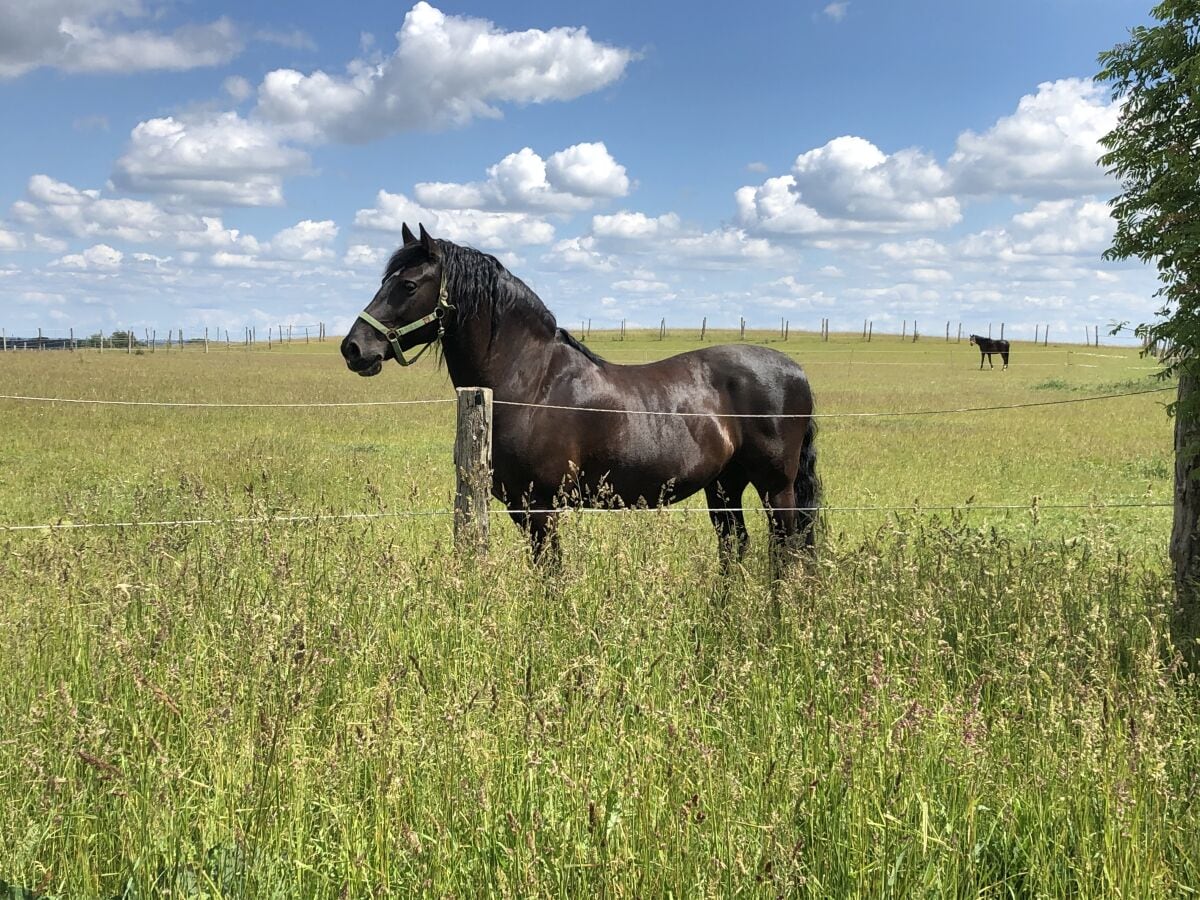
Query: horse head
point(407, 311)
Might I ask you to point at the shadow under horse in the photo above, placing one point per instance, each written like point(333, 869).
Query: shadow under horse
point(988, 346)
point(717, 419)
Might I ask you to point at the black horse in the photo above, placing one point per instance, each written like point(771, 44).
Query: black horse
point(987, 347)
point(716, 419)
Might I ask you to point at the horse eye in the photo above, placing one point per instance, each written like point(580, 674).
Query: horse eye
point(410, 286)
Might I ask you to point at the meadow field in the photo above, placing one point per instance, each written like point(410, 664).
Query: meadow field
point(282, 703)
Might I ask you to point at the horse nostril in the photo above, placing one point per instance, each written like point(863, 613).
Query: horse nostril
point(350, 349)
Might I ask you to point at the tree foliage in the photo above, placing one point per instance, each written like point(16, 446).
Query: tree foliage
point(1155, 153)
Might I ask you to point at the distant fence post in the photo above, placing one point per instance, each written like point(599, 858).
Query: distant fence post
point(1097, 335)
point(742, 328)
point(915, 334)
point(1037, 333)
point(206, 339)
point(786, 327)
point(72, 331)
point(947, 332)
point(703, 328)
point(1046, 336)
point(473, 465)
point(959, 340)
point(1001, 331)
point(864, 329)
point(41, 344)
point(4, 339)
point(870, 330)
point(662, 329)
point(129, 341)
point(622, 329)
point(904, 330)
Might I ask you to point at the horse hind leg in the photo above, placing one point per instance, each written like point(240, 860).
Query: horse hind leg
point(724, 505)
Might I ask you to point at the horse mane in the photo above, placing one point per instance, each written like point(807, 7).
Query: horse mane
point(479, 283)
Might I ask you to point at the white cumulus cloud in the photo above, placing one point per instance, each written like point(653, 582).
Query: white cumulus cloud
point(493, 231)
point(1047, 149)
point(571, 179)
point(222, 159)
point(98, 36)
point(445, 71)
point(850, 185)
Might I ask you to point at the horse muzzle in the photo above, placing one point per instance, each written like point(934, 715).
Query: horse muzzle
point(365, 364)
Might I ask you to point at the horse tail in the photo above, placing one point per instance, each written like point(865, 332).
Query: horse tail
point(808, 486)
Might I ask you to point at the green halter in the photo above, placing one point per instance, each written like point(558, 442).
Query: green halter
point(393, 335)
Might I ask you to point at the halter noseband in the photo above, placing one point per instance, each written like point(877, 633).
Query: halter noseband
point(393, 335)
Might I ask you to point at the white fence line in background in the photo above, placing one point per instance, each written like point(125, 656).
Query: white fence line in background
point(423, 513)
point(591, 409)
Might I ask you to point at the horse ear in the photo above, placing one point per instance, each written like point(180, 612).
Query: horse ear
point(406, 234)
point(428, 242)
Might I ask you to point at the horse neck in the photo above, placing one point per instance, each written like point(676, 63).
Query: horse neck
point(511, 359)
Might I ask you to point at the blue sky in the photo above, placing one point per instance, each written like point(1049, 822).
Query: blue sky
point(206, 164)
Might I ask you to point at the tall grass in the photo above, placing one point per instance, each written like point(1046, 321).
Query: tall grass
point(941, 706)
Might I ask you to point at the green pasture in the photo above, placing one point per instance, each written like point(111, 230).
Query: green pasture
point(947, 703)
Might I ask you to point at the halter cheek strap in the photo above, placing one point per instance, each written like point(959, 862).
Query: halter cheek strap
point(393, 335)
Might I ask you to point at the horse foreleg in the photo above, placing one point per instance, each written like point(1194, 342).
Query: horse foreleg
point(729, 523)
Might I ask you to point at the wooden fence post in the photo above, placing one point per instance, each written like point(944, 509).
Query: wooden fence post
point(1037, 333)
point(129, 341)
point(915, 334)
point(1097, 335)
point(947, 332)
point(662, 329)
point(41, 345)
point(473, 465)
point(4, 338)
point(742, 328)
point(959, 340)
point(1001, 331)
point(206, 339)
point(864, 329)
point(870, 330)
point(703, 328)
point(786, 327)
point(1046, 336)
point(904, 330)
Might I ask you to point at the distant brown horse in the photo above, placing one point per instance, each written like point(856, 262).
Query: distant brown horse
point(988, 346)
point(716, 419)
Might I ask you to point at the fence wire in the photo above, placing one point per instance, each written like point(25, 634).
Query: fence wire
point(589, 409)
point(571, 510)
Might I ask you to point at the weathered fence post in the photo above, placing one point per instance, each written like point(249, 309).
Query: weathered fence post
point(41, 344)
point(959, 339)
point(742, 328)
point(129, 341)
point(904, 330)
point(870, 330)
point(473, 466)
point(915, 334)
point(1001, 331)
point(864, 329)
point(205, 338)
point(703, 328)
point(1037, 333)
point(4, 339)
point(72, 330)
point(787, 324)
point(1097, 335)
point(1046, 336)
point(662, 329)
point(947, 332)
